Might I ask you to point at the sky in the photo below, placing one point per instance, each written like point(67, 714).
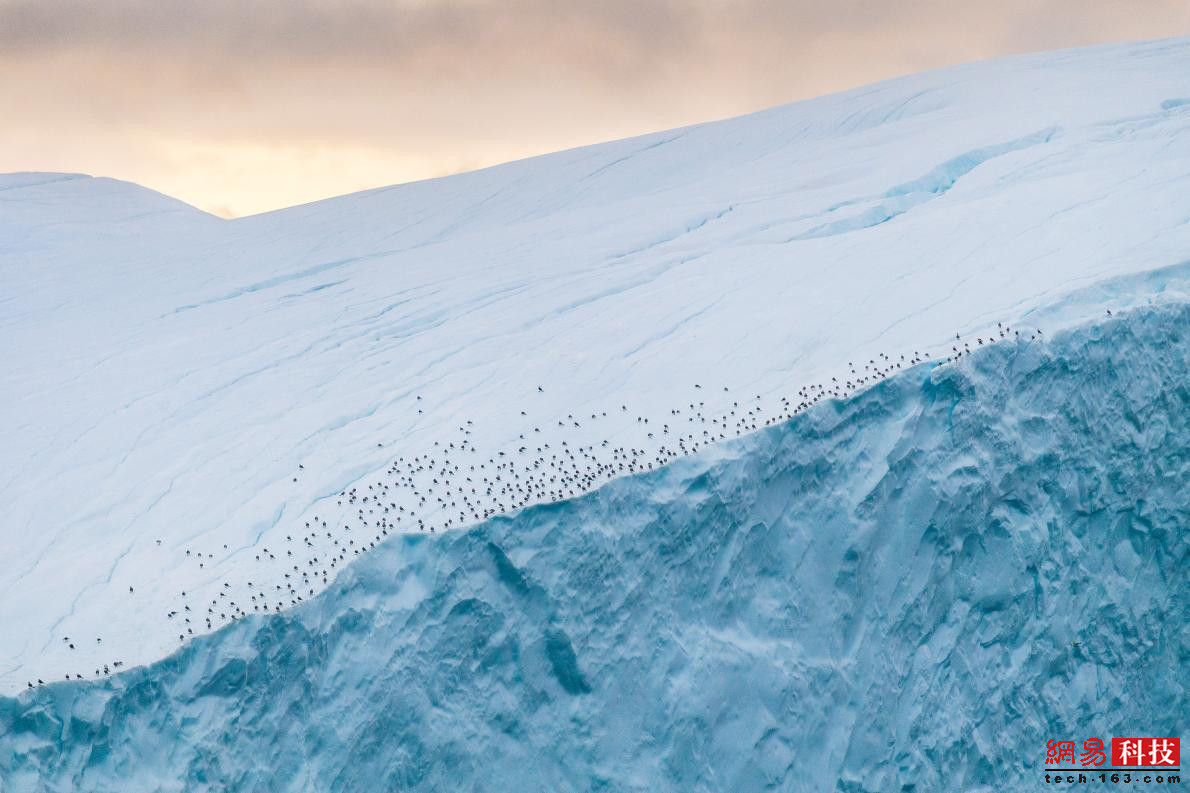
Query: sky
point(241, 106)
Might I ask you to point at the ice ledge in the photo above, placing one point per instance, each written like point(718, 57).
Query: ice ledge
point(916, 587)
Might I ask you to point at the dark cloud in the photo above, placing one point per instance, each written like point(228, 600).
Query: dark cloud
point(348, 30)
point(629, 31)
point(612, 45)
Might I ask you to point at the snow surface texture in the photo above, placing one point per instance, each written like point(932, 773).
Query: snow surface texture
point(913, 588)
point(165, 373)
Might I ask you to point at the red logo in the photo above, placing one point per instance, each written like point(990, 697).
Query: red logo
point(1093, 752)
point(1146, 752)
point(1058, 752)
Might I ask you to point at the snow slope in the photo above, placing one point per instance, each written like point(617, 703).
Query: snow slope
point(165, 373)
point(912, 589)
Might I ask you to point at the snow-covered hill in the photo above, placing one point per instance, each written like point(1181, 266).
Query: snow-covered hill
point(911, 589)
point(195, 409)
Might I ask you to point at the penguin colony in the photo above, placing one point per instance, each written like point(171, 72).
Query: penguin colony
point(453, 484)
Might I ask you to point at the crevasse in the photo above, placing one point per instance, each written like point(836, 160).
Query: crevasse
point(913, 589)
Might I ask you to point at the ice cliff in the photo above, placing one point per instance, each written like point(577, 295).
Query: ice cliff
point(182, 395)
point(912, 589)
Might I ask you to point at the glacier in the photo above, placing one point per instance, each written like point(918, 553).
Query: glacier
point(180, 392)
point(934, 329)
point(912, 589)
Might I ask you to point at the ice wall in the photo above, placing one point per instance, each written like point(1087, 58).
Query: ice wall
point(179, 392)
point(910, 590)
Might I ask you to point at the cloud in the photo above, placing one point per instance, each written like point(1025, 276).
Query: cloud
point(190, 95)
